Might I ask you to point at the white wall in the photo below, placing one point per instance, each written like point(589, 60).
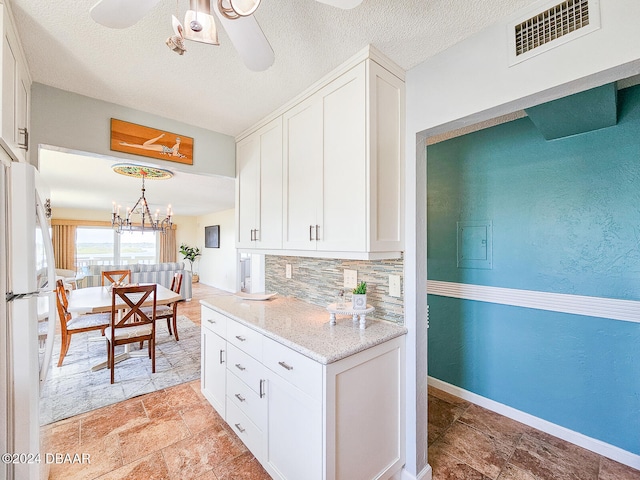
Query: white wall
point(218, 267)
point(472, 82)
point(76, 122)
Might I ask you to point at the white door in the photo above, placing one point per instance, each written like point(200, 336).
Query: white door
point(343, 226)
point(248, 173)
point(302, 133)
point(293, 448)
point(213, 369)
point(269, 234)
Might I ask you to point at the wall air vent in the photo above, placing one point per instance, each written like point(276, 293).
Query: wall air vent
point(552, 27)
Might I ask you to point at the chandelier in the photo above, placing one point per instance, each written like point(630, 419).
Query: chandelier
point(140, 210)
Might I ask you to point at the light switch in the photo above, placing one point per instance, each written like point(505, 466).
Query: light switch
point(350, 278)
point(287, 270)
point(394, 286)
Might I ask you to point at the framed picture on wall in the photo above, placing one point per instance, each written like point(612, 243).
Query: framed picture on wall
point(212, 236)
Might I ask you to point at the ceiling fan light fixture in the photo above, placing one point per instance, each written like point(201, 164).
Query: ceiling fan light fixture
point(200, 24)
point(244, 8)
point(224, 7)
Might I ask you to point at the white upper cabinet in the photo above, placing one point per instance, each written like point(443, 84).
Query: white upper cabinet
point(16, 94)
point(325, 168)
point(342, 170)
point(259, 188)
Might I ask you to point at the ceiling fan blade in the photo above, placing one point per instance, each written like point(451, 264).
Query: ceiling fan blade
point(249, 41)
point(344, 4)
point(120, 13)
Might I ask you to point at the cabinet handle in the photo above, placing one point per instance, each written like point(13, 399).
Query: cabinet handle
point(210, 321)
point(25, 133)
point(255, 237)
point(317, 229)
point(240, 397)
point(311, 233)
point(241, 338)
point(240, 367)
point(239, 427)
point(221, 359)
point(284, 365)
point(262, 388)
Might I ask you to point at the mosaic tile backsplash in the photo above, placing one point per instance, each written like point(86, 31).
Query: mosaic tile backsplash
point(318, 280)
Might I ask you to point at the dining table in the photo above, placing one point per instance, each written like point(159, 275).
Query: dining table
point(98, 300)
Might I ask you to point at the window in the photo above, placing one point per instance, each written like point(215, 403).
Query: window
point(103, 246)
point(137, 247)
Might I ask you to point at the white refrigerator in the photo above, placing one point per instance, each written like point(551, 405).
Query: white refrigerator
point(27, 278)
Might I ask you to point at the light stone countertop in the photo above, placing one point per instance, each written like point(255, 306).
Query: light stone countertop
point(305, 327)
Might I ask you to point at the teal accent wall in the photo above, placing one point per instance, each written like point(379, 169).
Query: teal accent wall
point(566, 219)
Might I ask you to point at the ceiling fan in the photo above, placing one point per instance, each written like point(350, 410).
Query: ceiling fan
point(236, 17)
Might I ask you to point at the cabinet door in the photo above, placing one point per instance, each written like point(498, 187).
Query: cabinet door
point(302, 176)
point(269, 233)
point(248, 190)
point(293, 447)
point(15, 96)
point(213, 370)
point(343, 222)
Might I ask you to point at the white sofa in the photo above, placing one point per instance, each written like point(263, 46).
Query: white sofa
point(161, 273)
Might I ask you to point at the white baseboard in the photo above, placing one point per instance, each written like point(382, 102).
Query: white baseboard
point(425, 474)
point(597, 446)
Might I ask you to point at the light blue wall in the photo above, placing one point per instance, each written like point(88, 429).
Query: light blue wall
point(566, 219)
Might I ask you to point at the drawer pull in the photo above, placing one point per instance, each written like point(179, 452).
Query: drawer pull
point(241, 338)
point(221, 359)
point(240, 397)
point(262, 388)
point(239, 427)
point(284, 365)
point(210, 321)
point(240, 367)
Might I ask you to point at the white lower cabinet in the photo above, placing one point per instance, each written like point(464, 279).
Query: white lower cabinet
point(304, 420)
point(213, 367)
point(293, 448)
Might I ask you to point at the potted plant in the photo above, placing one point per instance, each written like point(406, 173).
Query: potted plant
point(359, 297)
point(190, 254)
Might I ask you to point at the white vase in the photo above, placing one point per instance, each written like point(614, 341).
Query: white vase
point(359, 301)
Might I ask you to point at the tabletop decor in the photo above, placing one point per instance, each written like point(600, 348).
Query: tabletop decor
point(149, 142)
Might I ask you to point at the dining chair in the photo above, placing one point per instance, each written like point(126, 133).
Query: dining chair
point(70, 325)
point(116, 276)
point(170, 311)
point(131, 325)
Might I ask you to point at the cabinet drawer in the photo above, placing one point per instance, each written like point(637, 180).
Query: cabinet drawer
point(214, 321)
point(245, 367)
point(245, 338)
point(245, 429)
point(300, 371)
point(248, 401)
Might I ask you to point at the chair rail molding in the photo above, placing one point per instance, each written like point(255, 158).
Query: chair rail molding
point(611, 308)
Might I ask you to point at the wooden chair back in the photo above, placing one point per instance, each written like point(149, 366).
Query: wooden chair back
point(176, 283)
point(134, 297)
point(116, 276)
point(132, 324)
point(62, 303)
point(70, 325)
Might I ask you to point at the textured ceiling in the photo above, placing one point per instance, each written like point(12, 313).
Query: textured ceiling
point(209, 86)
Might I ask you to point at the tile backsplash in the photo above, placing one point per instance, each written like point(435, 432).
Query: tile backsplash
point(318, 280)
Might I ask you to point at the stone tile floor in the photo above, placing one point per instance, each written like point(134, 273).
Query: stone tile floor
point(468, 442)
point(176, 434)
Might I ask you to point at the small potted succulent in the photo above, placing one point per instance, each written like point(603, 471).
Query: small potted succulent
point(359, 297)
